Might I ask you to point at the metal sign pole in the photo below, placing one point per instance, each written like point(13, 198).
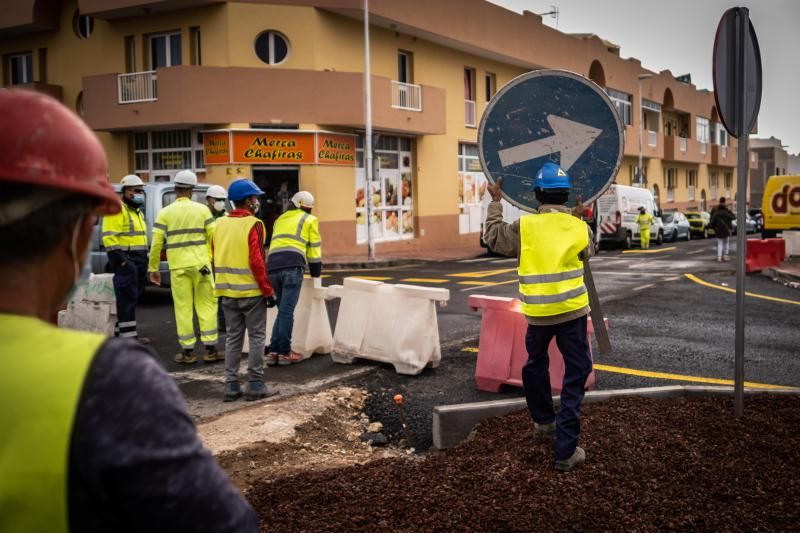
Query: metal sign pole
point(741, 212)
point(368, 170)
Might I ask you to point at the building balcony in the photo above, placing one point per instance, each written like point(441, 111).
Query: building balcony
point(56, 91)
point(686, 150)
point(197, 95)
point(723, 156)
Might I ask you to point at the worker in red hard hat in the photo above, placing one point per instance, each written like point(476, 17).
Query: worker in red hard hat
point(95, 435)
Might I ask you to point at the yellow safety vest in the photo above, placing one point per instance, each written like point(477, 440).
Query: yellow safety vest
point(44, 368)
point(644, 221)
point(184, 228)
point(233, 277)
point(125, 231)
point(297, 231)
point(550, 272)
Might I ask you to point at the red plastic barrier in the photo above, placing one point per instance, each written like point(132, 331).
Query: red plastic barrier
point(764, 253)
point(501, 351)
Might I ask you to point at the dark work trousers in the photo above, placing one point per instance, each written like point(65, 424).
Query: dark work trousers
point(130, 280)
point(574, 346)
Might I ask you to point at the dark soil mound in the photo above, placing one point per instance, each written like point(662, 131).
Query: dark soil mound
point(683, 464)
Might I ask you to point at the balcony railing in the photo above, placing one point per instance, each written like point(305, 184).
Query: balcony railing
point(469, 113)
point(137, 87)
point(723, 152)
point(703, 148)
point(682, 145)
point(652, 138)
point(406, 96)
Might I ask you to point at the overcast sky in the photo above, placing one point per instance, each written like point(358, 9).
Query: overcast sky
point(679, 35)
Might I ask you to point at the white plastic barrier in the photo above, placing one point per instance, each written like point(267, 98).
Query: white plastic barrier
point(312, 330)
point(93, 307)
point(792, 239)
point(394, 324)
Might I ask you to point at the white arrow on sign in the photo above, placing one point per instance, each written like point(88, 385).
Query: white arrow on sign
point(570, 138)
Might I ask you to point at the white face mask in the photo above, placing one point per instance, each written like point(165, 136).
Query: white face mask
point(219, 206)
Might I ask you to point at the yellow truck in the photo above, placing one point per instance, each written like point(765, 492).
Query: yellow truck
point(781, 205)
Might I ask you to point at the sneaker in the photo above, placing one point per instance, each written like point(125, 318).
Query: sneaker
point(719, 260)
point(726, 258)
point(290, 359)
point(186, 357)
point(233, 391)
point(578, 458)
point(271, 358)
point(542, 432)
point(256, 390)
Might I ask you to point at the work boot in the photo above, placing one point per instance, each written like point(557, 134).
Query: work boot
point(544, 432)
point(578, 457)
point(212, 355)
point(271, 358)
point(257, 390)
point(289, 359)
point(186, 357)
point(233, 391)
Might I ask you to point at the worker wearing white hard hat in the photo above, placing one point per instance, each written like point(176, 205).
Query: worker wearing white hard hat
point(295, 242)
point(184, 229)
point(215, 199)
point(124, 237)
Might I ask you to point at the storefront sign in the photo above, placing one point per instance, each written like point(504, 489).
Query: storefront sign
point(172, 160)
point(279, 147)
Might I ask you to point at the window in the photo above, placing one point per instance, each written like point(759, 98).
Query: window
point(165, 152)
point(691, 182)
point(622, 101)
point(130, 53)
point(728, 183)
point(197, 58)
point(702, 130)
point(722, 135)
point(713, 181)
point(165, 50)
point(470, 113)
point(672, 183)
point(491, 85)
point(471, 188)
point(272, 47)
point(83, 25)
point(404, 74)
point(20, 69)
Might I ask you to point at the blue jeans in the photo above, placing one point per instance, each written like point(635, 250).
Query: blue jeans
point(286, 283)
point(574, 346)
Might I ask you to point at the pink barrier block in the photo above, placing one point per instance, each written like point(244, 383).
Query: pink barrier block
point(501, 351)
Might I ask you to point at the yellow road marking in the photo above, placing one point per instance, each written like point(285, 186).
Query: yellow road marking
point(680, 377)
point(482, 273)
point(478, 283)
point(425, 280)
point(752, 294)
point(473, 349)
point(371, 278)
point(322, 276)
point(649, 251)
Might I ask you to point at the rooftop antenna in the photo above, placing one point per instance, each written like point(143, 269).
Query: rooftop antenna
point(553, 13)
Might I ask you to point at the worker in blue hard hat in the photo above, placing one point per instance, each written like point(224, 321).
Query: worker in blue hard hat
point(552, 246)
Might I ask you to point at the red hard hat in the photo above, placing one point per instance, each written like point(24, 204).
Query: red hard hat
point(45, 144)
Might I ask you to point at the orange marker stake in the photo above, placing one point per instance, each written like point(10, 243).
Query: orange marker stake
point(398, 400)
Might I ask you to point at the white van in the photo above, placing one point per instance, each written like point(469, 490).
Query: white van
point(617, 209)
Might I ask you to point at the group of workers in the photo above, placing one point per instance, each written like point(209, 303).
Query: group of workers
point(218, 271)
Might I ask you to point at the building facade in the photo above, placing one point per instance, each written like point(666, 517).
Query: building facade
point(274, 91)
point(771, 160)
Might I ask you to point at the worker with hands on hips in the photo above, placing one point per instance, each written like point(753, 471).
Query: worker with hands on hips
point(645, 220)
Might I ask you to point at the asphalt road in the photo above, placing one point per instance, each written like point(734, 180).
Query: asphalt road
point(664, 328)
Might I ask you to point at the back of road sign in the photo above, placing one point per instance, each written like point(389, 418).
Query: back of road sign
point(550, 116)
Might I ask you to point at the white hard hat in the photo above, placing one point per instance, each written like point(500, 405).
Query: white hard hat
point(131, 180)
point(186, 178)
point(303, 199)
point(217, 191)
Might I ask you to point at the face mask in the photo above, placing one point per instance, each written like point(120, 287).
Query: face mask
point(82, 273)
point(219, 206)
point(138, 199)
point(255, 206)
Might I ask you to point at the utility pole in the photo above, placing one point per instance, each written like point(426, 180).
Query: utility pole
point(368, 166)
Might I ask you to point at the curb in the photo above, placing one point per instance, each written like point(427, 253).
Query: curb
point(452, 424)
point(383, 263)
point(782, 276)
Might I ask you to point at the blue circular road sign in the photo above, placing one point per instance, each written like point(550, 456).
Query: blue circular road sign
point(550, 116)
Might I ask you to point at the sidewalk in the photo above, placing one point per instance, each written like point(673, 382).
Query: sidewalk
point(788, 273)
point(390, 259)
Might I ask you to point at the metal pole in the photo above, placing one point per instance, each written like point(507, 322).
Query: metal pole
point(641, 120)
point(741, 234)
point(368, 135)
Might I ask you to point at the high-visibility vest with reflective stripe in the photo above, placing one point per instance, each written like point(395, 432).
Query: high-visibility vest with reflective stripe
point(232, 272)
point(44, 369)
point(126, 230)
point(185, 228)
point(298, 232)
point(550, 272)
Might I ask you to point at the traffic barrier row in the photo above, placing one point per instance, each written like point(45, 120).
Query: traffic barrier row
point(766, 253)
point(501, 350)
point(792, 239)
point(93, 307)
point(395, 324)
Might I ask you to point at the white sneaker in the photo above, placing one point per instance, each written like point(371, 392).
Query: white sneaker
point(578, 458)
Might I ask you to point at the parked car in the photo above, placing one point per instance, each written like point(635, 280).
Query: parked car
point(698, 221)
point(157, 197)
point(617, 209)
point(758, 218)
point(676, 226)
point(750, 225)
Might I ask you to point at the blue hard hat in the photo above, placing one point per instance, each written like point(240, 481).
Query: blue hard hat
point(243, 188)
point(550, 177)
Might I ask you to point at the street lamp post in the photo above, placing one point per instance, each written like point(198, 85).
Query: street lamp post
point(368, 156)
point(640, 177)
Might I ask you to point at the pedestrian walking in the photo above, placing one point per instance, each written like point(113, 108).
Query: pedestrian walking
point(184, 229)
point(124, 237)
point(551, 246)
point(243, 289)
point(295, 242)
point(722, 222)
point(645, 220)
point(95, 435)
point(215, 200)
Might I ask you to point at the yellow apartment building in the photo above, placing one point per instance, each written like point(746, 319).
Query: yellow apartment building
point(273, 90)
